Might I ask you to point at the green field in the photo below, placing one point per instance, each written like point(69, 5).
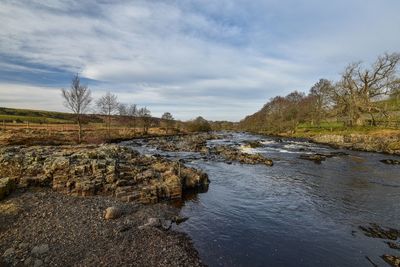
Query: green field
point(30, 119)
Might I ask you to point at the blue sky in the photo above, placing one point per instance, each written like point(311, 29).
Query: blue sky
point(218, 59)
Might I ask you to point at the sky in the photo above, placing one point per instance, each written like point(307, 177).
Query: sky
point(220, 59)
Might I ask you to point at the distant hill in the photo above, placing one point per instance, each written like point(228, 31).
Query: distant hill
point(40, 116)
point(11, 115)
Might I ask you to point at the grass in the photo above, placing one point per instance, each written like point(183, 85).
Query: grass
point(40, 116)
point(339, 128)
point(391, 104)
point(31, 119)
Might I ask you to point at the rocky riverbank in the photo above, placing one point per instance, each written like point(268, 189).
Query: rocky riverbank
point(84, 206)
point(91, 170)
point(390, 235)
point(389, 143)
point(40, 227)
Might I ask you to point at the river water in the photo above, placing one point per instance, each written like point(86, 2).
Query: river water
point(296, 213)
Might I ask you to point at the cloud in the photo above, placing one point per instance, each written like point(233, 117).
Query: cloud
point(219, 59)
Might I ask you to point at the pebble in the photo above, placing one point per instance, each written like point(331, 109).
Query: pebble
point(151, 222)
point(40, 249)
point(23, 246)
point(8, 252)
point(28, 261)
point(38, 263)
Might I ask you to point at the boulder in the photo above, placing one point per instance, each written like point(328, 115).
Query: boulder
point(393, 245)
point(112, 213)
point(317, 158)
point(376, 231)
point(391, 260)
point(253, 144)
point(391, 161)
point(234, 154)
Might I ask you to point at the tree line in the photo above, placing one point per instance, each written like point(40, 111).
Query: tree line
point(78, 98)
point(364, 95)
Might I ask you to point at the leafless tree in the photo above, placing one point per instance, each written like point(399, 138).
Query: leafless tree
point(132, 110)
point(145, 116)
point(123, 109)
point(168, 120)
point(360, 88)
point(77, 99)
point(133, 113)
point(320, 97)
point(108, 106)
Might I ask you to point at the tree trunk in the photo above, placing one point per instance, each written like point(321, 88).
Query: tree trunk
point(79, 130)
point(109, 126)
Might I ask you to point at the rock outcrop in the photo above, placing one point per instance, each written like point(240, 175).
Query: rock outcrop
point(389, 143)
point(391, 161)
point(187, 143)
point(106, 169)
point(253, 144)
point(376, 231)
point(392, 260)
point(319, 157)
point(234, 154)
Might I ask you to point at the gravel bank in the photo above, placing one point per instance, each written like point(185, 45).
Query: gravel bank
point(40, 227)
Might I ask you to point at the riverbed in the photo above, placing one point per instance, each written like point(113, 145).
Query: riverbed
point(295, 213)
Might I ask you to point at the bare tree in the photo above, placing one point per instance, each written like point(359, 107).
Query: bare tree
point(395, 92)
point(77, 99)
point(320, 97)
point(123, 109)
point(132, 110)
point(168, 120)
point(133, 113)
point(145, 116)
point(108, 106)
point(360, 88)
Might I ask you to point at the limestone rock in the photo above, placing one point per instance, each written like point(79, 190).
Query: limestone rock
point(88, 170)
point(392, 260)
point(233, 154)
point(112, 213)
point(391, 161)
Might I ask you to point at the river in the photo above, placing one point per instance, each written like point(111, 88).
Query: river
point(295, 213)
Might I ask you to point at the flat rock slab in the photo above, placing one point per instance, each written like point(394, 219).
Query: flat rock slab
point(98, 170)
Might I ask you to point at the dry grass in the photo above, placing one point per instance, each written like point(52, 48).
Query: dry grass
point(66, 134)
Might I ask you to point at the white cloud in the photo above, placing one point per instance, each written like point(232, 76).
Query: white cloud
point(220, 59)
point(30, 97)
